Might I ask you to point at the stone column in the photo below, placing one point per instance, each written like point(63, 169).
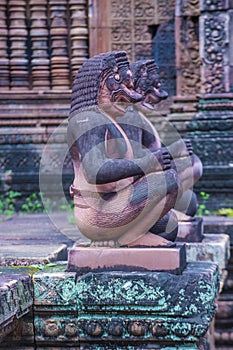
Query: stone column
point(78, 33)
point(39, 39)
point(60, 70)
point(4, 63)
point(18, 32)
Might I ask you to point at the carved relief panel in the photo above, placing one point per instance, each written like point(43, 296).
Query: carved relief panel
point(215, 77)
point(129, 21)
point(216, 23)
point(143, 28)
point(187, 47)
point(122, 25)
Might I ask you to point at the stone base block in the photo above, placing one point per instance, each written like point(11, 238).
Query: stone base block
point(125, 310)
point(87, 259)
point(190, 231)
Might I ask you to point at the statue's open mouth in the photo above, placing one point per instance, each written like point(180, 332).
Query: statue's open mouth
point(123, 97)
point(153, 96)
point(126, 95)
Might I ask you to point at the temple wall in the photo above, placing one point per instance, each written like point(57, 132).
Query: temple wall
point(43, 44)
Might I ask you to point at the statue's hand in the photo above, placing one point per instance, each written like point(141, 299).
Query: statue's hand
point(163, 157)
point(189, 146)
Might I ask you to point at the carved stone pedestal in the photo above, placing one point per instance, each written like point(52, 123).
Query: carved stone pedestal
point(87, 259)
point(119, 310)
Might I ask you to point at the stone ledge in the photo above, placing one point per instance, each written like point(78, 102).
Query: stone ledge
point(19, 255)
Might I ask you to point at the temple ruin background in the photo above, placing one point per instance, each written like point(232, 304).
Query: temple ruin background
point(44, 42)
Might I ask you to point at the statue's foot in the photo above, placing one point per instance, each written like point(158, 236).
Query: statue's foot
point(104, 244)
point(166, 227)
point(150, 240)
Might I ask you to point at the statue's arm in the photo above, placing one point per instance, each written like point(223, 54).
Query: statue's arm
point(98, 168)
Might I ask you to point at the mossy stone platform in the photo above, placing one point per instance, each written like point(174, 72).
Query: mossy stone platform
point(119, 310)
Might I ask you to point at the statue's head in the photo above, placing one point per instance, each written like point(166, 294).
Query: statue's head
point(147, 83)
point(105, 81)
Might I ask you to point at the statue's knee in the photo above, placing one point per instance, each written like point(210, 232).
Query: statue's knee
point(198, 168)
point(172, 182)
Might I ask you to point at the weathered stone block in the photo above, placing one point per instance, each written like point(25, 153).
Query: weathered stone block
point(213, 248)
point(16, 298)
point(118, 309)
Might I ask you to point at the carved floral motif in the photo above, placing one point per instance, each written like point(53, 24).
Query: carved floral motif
point(144, 8)
point(124, 307)
point(142, 51)
point(121, 30)
point(129, 27)
point(190, 7)
point(165, 12)
point(121, 8)
point(214, 5)
point(141, 30)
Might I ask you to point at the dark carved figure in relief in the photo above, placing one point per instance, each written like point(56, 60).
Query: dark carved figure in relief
point(186, 163)
point(124, 186)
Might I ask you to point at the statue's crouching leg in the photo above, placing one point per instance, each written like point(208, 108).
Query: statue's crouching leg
point(162, 193)
point(187, 204)
point(167, 226)
point(128, 214)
